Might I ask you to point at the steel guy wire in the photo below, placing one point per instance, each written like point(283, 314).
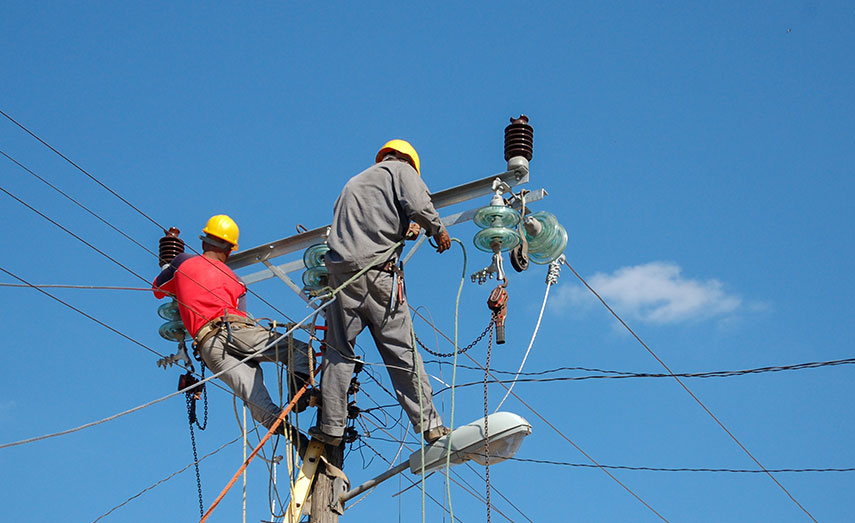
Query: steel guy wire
point(553, 427)
point(683, 385)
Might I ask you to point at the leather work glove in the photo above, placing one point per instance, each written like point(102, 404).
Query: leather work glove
point(443, 241)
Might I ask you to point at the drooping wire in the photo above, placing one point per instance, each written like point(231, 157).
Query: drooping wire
point(564, 436)
point(145, 405)
point(683, 385)
point(683, 469)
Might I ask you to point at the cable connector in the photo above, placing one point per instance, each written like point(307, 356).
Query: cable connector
point(554, 270)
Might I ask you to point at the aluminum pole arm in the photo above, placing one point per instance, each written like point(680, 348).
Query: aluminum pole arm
point(440, 199)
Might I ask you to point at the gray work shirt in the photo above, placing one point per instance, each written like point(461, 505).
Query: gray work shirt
point(373, 212)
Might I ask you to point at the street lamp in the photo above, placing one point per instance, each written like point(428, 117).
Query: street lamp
point(505, 432)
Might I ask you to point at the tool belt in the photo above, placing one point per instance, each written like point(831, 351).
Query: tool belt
point(213, 326)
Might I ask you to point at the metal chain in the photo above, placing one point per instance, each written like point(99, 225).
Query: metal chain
point(191, 415)
point(486, 431)
point(205, 403)
point(461, 351)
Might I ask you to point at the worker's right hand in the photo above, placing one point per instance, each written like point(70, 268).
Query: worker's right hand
point(443, 241)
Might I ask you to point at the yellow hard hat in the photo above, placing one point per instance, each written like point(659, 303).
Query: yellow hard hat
point(403, 147)
point(223, 227)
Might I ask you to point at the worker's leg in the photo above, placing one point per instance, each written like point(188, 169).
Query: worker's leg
point(249, 339)
point(343, 325)
point(393, 336)
point(246, 379)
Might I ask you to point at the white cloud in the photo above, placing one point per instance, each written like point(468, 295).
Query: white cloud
point(656, 293)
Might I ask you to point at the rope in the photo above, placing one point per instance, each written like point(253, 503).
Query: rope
point(255, 451)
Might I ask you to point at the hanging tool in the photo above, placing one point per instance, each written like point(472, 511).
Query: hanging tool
point(498, 303)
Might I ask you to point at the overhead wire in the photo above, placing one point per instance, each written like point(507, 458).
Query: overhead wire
point(683, 469)
point(81, 169)
point(150, 403)
point(554, 428)
point(683, 385)
point(167, 478)
point(394, 440)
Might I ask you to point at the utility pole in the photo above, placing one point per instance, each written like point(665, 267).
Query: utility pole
point(325, 487)
point(330, 490)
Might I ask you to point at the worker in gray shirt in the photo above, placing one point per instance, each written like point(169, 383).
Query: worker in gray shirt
point(373, 212)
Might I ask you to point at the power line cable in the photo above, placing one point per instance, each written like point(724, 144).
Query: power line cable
point(154, 402)
point(553, 427)
point(93, 213)
point(167, 478)
point(682, 469)
point(86, 287)
point(84, 171)
point(683, 385)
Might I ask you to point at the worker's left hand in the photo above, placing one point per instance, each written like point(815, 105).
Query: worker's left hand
point(413, 231)
point(443, 241)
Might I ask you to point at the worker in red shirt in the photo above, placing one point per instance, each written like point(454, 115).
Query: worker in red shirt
point(211, 301)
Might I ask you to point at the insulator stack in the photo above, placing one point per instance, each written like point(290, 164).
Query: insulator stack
point(170, 246)
point(498, 232)
point(173, 329)
point(519, 138)
point(316, 276)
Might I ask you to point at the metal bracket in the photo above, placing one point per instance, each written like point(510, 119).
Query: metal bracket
point(480, 277)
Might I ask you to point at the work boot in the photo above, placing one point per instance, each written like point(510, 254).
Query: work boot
point(297, 438)
point(305, 399)
point(323, 437)
point(435, 433)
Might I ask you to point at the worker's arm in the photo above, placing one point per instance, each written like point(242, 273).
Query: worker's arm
point(414, 197)
point(164, 284)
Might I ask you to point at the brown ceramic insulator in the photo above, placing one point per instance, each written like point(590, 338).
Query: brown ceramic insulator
point(519, 138)
point(170, 246)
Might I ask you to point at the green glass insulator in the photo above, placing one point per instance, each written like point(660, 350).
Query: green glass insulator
point(173, 331)
point(496, 216)
point(547, 245)
point(169, 311)
point(314, 255)
point(316, 278)
point(506, 238)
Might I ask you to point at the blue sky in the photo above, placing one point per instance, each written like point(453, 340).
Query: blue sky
point(699, 155)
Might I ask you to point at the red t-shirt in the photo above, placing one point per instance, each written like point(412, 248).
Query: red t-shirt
point(205, 289)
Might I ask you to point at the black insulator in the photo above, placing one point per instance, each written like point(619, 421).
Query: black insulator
point(519, 138)
point(170, 246)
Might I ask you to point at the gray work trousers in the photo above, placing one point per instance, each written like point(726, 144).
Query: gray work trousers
point(365, 303)
point(246, 380)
